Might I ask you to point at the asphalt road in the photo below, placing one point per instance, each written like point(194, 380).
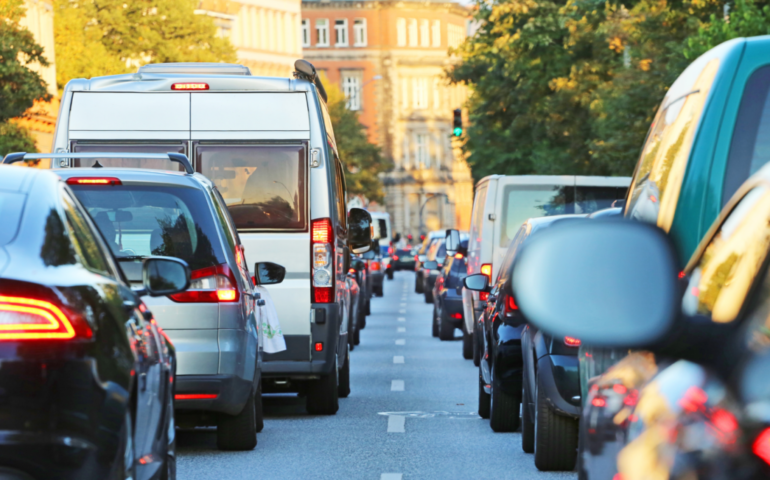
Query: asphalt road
point(411, 414)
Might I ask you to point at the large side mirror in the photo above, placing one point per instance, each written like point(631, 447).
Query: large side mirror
point(164, 276)
point(452, 242)
point(359, 230)
point(606, 282)
point(430, 265)
point(268, 273)
point(478, 282)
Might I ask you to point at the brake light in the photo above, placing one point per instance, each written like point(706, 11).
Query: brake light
point(23, 318)
point(619, 388)
point(598, 402)
point(572, 341)
point(395, 258)
point(94, 181)
point(390, 250)
point(210, 285)
point(483, 296)
point(510, 302)
point(457, 316)
point(761, 446)
point(195, 396)
point(322, 254)
point(375, 266)
point(458, 256)
point(352, 270)
point(190, 86)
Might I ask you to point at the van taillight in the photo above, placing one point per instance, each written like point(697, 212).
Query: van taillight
point(210, 285)
point(486, 269)
point(190, 86)
point(23, 318)
point(322, 256)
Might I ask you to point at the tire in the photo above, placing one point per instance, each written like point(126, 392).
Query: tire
point(527, 422)
point(378, 291)
point(125, 467)
point(368, 310)
point(446, 331)
point(418, 286)
point(504, 409)
point(238, 432)
point(467, 343)
point(343, 389)
point(259, 412)
point(352, 328)
point(434, 323)
point(478, 344)
point(390, 274)
point(556, 437)
point(428, 296)
point(484, 399)
point(323, 394)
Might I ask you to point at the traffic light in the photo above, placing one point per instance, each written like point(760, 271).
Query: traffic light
point(458, 122)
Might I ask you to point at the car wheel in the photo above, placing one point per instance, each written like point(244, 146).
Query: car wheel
point(446, 331)
point(323, 394)
point(259, 413)
point(126, 465)
point(484, 398)
point(238, 432)
point(555, 436)
point(390, 274)
point(368, 310)
point(344, 383)
point(478, 344)
point(352, 331)
point(428, 296)
point(527, 423)
point(418, 286)
point(434, 323)
point(379, 291)
point(504, 409)
point(467, 343)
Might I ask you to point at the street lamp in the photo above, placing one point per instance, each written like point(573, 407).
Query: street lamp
point(432, 196)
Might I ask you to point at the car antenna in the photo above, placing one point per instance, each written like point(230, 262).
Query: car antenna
point(97, 164)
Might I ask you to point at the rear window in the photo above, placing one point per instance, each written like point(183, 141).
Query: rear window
point(151, 163)
point(11, 206)
point(264, 186)
point(139, 221)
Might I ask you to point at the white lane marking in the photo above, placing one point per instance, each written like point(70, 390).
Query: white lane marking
point(401, 330)
point(402, 311)
point(398, 359)
point(392, 476)
point(402, 305)
point(396, 424)
point(397, 386)
point(401, 341)
point(401, 319)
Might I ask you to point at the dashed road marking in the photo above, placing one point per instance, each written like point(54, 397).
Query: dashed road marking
point(392, 476)
point(397, 386)
point(398, 359)
point(402, 305)
point(401, 341)
point(401, 319)
point(396, 424)
point(402, 311)
point(401, 330)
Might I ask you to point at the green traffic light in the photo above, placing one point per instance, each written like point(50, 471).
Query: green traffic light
point(458, 131)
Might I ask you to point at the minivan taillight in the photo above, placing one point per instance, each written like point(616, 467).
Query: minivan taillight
point(210, 285)
point(322, 258)
point(486, 269)
point(24, 318)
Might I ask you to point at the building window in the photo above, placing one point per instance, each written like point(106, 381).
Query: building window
point(359, 32)
point(401, 32)
point(455, 35)
point(421, 157)
point(424, 33)
point(412, 32)
point(436, 31)
point(341, 33)
point(305, 32)
point(322, 31)
point(351, 87)
point(420, 93)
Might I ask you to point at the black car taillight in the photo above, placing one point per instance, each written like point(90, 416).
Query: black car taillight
point(24, 318)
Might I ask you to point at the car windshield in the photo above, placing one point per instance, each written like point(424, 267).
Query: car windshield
point(139, 221)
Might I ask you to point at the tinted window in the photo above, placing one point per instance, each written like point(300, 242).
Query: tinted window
point(11, 206)
point(263, 186)
point(720, 282)
point(477, 218)
point(83, 238)
point(591, 199)
point(138, 221)
point(152, 163)
point(750, 145)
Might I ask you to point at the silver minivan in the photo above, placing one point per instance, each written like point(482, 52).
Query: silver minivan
point(268, 146)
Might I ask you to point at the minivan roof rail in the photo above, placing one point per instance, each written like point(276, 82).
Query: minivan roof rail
point(174, 157)
point(196, 68)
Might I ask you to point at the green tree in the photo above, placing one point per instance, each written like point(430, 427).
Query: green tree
point(101, 37)
point(20, 86)
point(362, 159)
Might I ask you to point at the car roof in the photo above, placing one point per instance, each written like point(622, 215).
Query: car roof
point(140, 175)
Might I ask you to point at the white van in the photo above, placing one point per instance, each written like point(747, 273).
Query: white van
point(503, 203)
point(268, 146)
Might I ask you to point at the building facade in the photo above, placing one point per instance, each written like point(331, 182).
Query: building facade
point(388, 57)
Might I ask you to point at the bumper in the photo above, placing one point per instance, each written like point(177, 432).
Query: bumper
point(453, 305)
point(559, 377)
point(231, 393)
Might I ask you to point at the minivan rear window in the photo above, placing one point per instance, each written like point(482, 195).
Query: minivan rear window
point(264, 186)
point(139, 221)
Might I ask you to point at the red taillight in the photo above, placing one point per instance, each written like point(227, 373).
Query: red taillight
point(510, 303)
point(319, 346)
point(94, 181)
point(323, 295)
point(23, 318)
point(195, 396)
point(457, 316)
point(390, 250)
point(619, 388)
point(322, 230)
point(322, 259)
point(761, 446)
point(352, 270)
point(486, 269)
point(483, 296)
point(572, 341)
point(395, 258)
point(190, 86)
point(210, 285)
point(375, 266)
point(632, 398)
point(598, 402)
point(458, 255)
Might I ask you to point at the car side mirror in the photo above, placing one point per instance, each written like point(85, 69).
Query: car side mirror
point(609, 283)
point(478, 282)
point(268, 273)
point(164, 276)
point(359, 230)
point(430, 265)
point(452, 242)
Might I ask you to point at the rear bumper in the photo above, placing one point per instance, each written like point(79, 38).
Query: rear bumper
point(561, 383)
point(231, 393)
point(453, 305)
point(377, 279)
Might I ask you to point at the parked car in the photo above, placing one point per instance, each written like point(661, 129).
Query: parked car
point(447, 297)
point(214, 324)
point(503, 203)
point(404, 259)
point(87, 374)
point(279, 173)
point(422, 252)
point(689, 405)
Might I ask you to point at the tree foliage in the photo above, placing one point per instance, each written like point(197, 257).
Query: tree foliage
point(571, 87)
point(362, 159)
point(103, 37)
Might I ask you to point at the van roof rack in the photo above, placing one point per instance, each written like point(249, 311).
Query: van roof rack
point(174, 157)
point(196, 68)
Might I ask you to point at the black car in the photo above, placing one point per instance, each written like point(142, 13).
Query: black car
point(87, 376)
point(447, 295)
point(404, 259)
point(357, 272)
point(429, 272)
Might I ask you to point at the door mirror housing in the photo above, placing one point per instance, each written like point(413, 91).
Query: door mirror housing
point(430, 265)
point(164, 276)
point(609, 283)
point(268, 273)
point(452, 242)
point(359, 230)
point(478, 282)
